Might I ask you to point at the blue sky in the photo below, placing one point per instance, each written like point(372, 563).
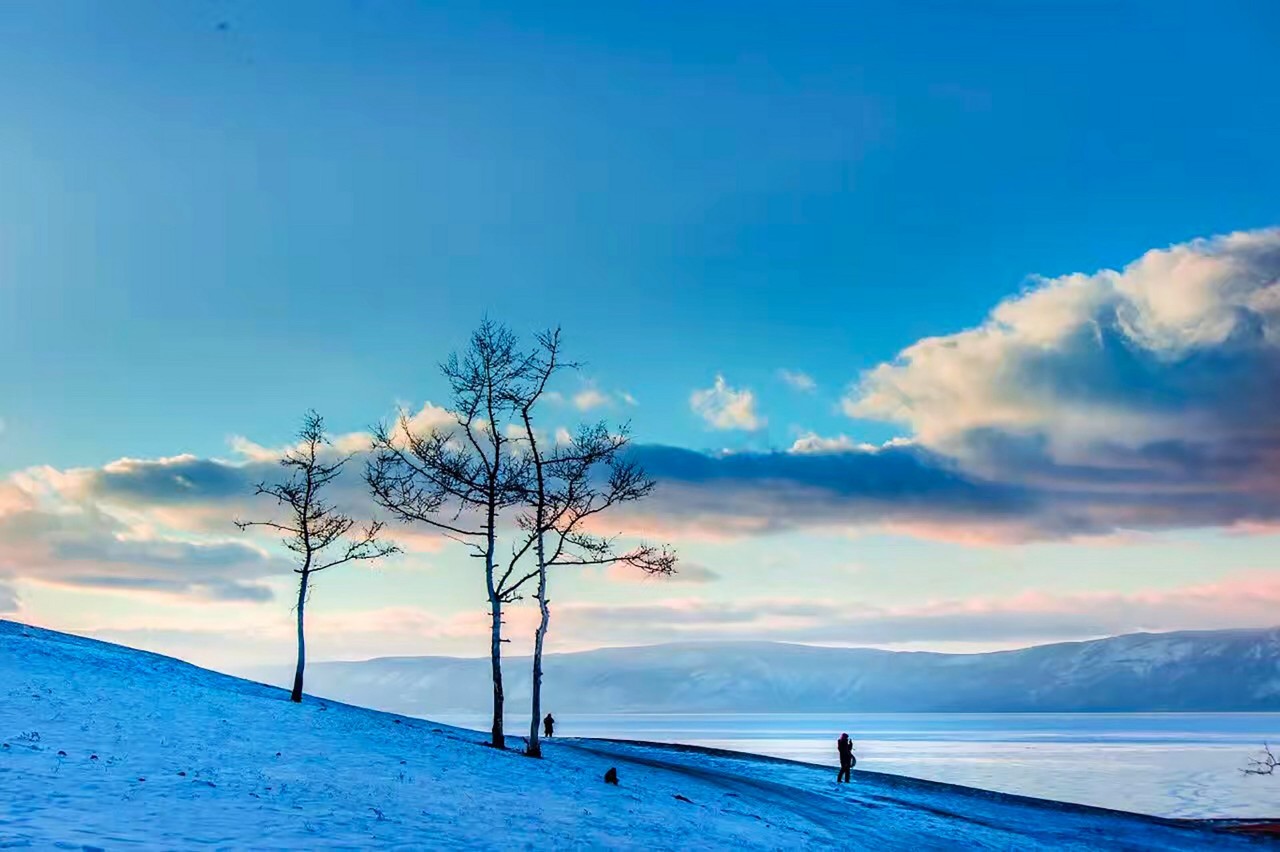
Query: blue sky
point(196, 194)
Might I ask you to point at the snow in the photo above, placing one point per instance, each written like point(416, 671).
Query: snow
point(107, 747)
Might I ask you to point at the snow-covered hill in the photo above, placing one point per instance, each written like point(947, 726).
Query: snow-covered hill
point(104, 747)
point(1224, 670)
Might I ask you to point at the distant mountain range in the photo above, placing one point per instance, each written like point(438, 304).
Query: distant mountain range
point(1223, 670)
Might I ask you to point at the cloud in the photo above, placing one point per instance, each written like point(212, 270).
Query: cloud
point(164, 525)
point(686, 572)
point(248, 639)
point(82, 546)
point(8, 599)
point(1089, 405)
point(589, 398)
point(724, 407)
point(1164, 368)
point(734, 494)
point(204, 495)
point(1248, 599)
point(1141, 398)
point(798, 380)
point(1133, 400)
point(811, 442)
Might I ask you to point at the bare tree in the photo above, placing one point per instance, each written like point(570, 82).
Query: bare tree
point(318, 534)
point(461, 479)
point(570, 485)
point(1264, 764)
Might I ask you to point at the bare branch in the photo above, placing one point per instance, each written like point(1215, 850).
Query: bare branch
point(1264, 764)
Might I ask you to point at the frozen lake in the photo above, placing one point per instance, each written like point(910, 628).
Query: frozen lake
point(1167, 764)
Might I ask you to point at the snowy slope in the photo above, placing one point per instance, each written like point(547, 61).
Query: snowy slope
point(107, 747)
point(1223, 670)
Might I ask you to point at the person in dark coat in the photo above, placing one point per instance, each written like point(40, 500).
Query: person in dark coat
point(548, 726)
point(844, 745)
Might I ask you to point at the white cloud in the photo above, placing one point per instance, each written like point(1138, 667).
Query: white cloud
point(798, 380)
point(426, 418)
point(724, 407)
point(811, 442)
point(589, 398)
point(1180, 349)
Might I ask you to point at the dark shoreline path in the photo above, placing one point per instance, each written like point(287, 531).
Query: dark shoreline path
point(874, 807)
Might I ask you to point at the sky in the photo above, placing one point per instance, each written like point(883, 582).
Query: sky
point(947, 326)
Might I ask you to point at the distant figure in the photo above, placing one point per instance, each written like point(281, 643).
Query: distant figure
point(548, 726)
point(844, 745)
point(611, 777)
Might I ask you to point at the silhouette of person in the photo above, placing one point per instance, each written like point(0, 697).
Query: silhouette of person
point(548, 726)
point(844, 745)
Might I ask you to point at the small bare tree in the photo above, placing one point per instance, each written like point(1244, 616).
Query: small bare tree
point(1264, 764)
point(318, 534)
point(568, 486)
point(459, 480)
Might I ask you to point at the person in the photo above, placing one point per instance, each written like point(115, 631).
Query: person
point(548, 725)
point(844, 745)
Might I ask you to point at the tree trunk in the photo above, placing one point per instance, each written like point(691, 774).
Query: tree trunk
point(535, 744)
point(495, 656)
point(296, 695)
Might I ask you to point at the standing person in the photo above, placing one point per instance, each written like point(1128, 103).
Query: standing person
point(548, 726)
point(844, 745)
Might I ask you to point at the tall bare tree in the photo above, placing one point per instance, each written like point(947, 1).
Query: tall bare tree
point(461, 479)
point(318, 534)
point(568, 486)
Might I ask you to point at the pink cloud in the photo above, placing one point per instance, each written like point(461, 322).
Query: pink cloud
point(686, 572)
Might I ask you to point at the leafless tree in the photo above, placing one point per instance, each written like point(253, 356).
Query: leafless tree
point(318, 534)
point(570, 485)
point(459, 480)
point(1264, 764)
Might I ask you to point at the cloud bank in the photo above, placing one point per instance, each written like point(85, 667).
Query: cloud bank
point(1161, 375)
point(1017, 619)
point(80, 545)
point(1244, 600)
point(1088, 405)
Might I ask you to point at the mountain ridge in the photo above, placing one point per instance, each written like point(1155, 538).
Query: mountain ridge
point(1233, 670)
